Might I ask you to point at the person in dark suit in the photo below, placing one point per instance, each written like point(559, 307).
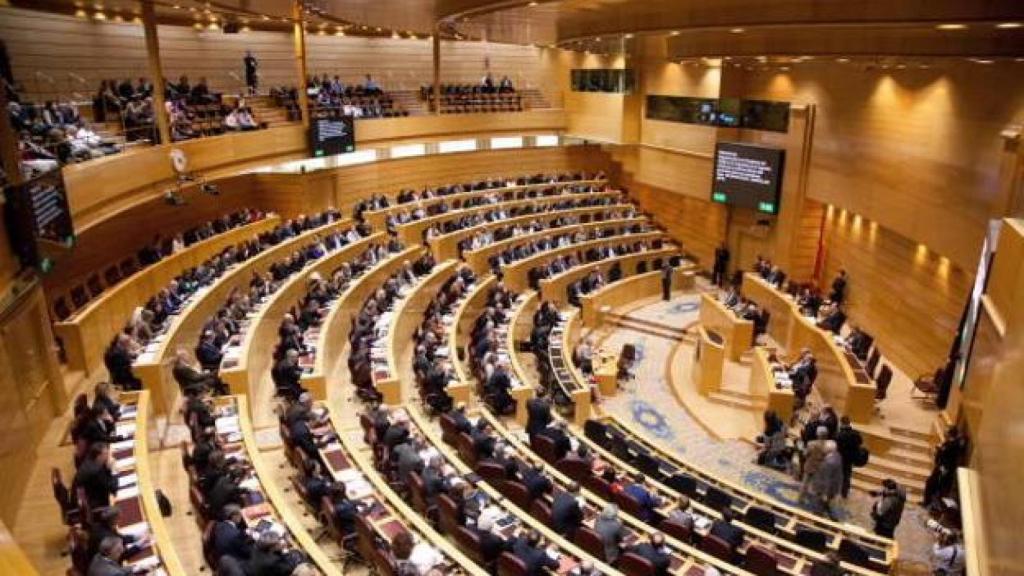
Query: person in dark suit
point(666, 282)
point(102, 398)
point(491, 543)
point(536, 481)
point(458, 415)
point(95, 476)
point(192, 381)
point(566, 513)
point(557, 434)
point(838, 294)
point(226, 489)
point(118, 360)
point(209, 353)
point(269, 558)
point(497, 387)
point(104, 525)
point(483, 439)
point(527, 548)
point(287, 375)
point(724, 529)
point(302, 436)
point(108, 561)
point(654, 552)
point(649, 502)
point(721, 266)
point(229, 535)
point(538, 415)
point(397, 433)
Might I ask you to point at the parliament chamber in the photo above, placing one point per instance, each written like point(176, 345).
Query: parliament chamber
point(574, 287)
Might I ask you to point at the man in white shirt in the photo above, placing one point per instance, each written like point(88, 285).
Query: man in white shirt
point(948, 556)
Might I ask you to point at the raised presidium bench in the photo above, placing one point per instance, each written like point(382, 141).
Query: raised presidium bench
point(862, 551)
point(413, 232)
point(136, 494)
point(332, 338)
point(267, 507)
point(844, 385)
point(769, 379)
point(153, 366)
point(377, 218)
point(245, 363)
point(738, 334)
point(86, 334)
point(480, 259)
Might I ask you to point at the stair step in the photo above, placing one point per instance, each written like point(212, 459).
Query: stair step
point(911, 457)
point(907, 433)
point(874, 476)
point(743, 395)
point(737, 402)
point(898, 468)
point(913, 444)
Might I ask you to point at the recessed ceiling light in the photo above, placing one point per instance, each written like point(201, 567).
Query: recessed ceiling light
point(532, 4)
point(674, 33)
point(951, 26)
point(842, 60)
point(628, 36)
point(982, 61)
point(738, 30)
point(1009, 25)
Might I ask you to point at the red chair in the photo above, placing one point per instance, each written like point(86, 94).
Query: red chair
point(574, 468)
point(541, 510)
point(676, 530)
point(468, 542)
point(510, 565)
point(516, 492)
point(466, 449)
point(590, 542)
point(717, 547)
point(632, 564)
point(492, 472)
point(761, 561)
point(598, 486)
point(544, 447)
point(209, 554)
point(447, 514)
point(630, 505)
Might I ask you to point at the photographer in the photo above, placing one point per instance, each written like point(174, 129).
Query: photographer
point(888, 509)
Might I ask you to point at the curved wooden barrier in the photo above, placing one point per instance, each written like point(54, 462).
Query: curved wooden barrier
point(628, 291)
point(337, 325)
point(412, 232)
point(88, 332)
point(479, 259)
point(737, 333)
point(154, 365)
point(463, 318)
point(253, 357)
point(377, 218)
point(848, 389)
point(555, 288)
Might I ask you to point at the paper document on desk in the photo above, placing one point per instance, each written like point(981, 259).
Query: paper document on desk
point(127, 493)
point(227, 424)
point(129, 480)
point(125, 429)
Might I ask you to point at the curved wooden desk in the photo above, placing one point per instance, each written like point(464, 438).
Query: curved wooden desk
point(280, 509)
point(555, 288)
point(686, 559)
point(337, 325)
point(140, 505)
point(520, 325)
point(763, 383)
point(408, 315)
point(378, 218)
point(629, 290)
point(154, 365)
point(737, 333)
point(447, 245)
point(345, 455)
point(412, 232)
point(517, 275)
point(788, 518)
point(848, 389)
point(462, 322)
point(479, 259)
point(88, 332)
point(244, 367)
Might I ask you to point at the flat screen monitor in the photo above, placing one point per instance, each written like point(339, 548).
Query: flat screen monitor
point(748, 176)
point(332, 136)
point(37, 212)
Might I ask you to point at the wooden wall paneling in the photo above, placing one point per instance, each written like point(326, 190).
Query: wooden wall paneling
point(908, 297)
point(31, 389)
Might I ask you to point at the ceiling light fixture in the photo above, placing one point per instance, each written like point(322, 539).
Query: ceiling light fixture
point(738, 30)
point(842, 60)
point(951, 26)
point(532, 4)
point(628, 36)
point(674, 33)
point(1008, 25)
point(982, 61)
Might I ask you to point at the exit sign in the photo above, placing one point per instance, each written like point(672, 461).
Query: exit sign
point(719, 197)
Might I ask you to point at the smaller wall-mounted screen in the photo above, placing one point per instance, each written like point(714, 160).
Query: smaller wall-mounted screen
point(331, 136)
point(613, 80)
point(37, 211)
point(724, 112)
point(748, 176)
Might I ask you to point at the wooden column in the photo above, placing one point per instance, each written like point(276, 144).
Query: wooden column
point(437, 69)
point(156, 71)
point(9, 156)
point(299, 27)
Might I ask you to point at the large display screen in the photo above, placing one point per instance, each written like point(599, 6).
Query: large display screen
point(748, 176)
point(331, 136)
point(37, 210)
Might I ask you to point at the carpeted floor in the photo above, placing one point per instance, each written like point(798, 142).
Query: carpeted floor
point(650, 404)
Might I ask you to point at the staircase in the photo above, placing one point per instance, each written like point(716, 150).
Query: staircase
point(265, 110)
point(739, 399)
point(908, 461)
point(647, 327)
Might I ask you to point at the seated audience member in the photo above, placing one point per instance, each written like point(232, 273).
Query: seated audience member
point(538, 415)
point(557, 434)
point(118, 359)
point(724, 529)
point(105, 525)
point(566, 511)
point(528, 549)
point(833, 320)
point(271, 558)
point(641, 491)
point(417, 558)
point(107, 562)
point(230, 535)
point(191, 380)
point(655, 552)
